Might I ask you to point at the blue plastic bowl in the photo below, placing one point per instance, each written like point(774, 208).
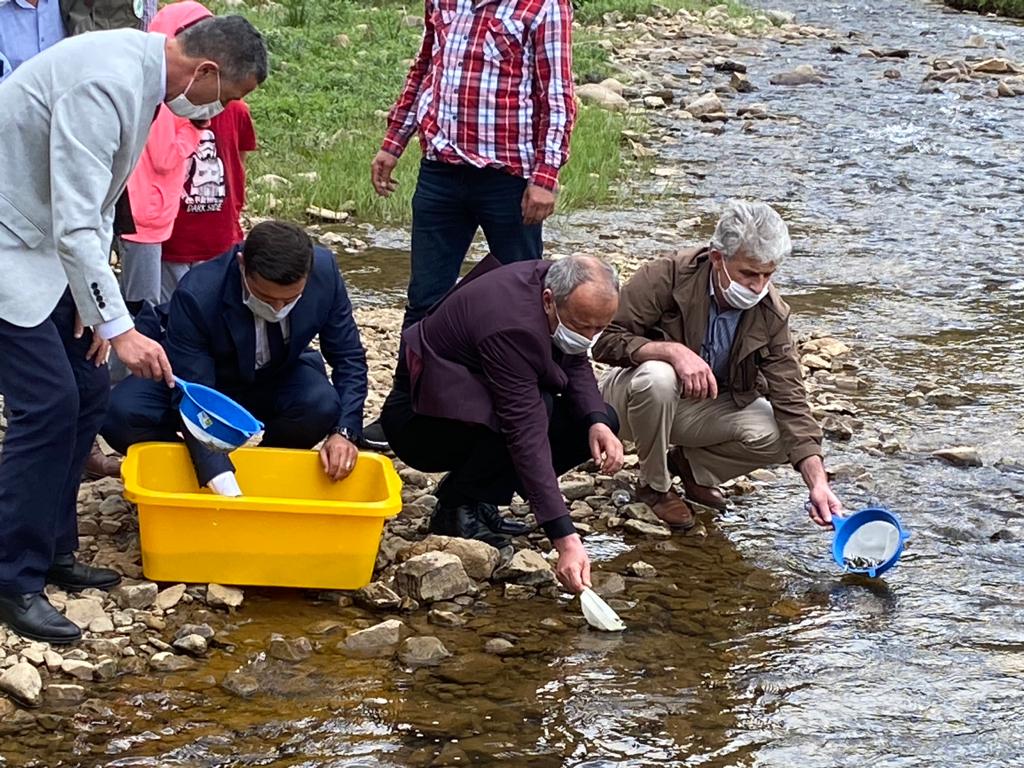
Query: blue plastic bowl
point(215, 420)
point(846, 527)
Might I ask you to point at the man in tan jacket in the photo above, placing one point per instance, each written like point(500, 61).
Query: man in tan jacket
point(708, 382)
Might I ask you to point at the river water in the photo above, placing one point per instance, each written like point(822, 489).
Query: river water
point(749, 649)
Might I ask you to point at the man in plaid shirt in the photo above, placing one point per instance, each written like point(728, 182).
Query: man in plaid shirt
point(491, 96)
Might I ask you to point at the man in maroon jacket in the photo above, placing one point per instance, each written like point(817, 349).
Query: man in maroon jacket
point(496, 389)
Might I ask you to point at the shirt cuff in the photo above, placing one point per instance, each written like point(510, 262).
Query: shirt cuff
point(115, 327)
point(393, 145)
point(559, 528)
point(545, 177)
point(599, 417)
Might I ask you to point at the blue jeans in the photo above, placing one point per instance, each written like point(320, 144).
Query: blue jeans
point(450, 202)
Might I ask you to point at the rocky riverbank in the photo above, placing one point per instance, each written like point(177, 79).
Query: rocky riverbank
point(148, 629)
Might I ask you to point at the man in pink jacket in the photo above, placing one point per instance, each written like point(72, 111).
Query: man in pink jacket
point(155, 185)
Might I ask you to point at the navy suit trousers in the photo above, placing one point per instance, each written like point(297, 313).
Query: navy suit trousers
point(56, 400)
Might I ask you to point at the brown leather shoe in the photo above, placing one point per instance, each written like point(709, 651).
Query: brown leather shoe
point(669, 508)
point(100, 465)
point(707, 496)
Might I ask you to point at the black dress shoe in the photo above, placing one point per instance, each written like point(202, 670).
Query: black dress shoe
point(32, 616)
point(73, 576)
point(373, 437)
point(490, 516)
point(464, 522)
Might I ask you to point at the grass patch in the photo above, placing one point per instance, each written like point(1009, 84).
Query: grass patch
point(1014, 8)
point(336, 68)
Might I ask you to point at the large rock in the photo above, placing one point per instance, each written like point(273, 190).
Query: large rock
point(137, 596)
point(527, 567)
point(804, 74)
point(378, 638)
point(960, 456)
point(83, 611)
point(23, 683)
point(599, 96)
point(478, 558)
point(423, 652)
point(432, 576)
point(613, 85)
point(706, 104)
point(224, 597)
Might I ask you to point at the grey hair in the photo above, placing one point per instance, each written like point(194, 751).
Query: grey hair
point(754, 230)
point(568, 274)
point(231, 41)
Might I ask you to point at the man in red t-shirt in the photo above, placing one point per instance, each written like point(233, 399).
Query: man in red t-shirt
point(212, 198)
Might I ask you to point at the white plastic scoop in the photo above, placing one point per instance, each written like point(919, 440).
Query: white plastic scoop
point(598, 613)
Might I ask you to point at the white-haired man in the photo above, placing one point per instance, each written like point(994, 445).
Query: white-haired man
point(708, 382)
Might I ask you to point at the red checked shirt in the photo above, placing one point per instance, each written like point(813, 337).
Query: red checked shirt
point(491, 87)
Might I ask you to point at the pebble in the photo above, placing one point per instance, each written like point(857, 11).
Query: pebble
point(498, 646)
point(170, 597)
point(82, 670)
point(61, 694)
point(527, 567)
point(289, 649)
point(193, 645)
point(642, 570)
point(445, 618)
point(82, 612)
point(960, 456)
point(641, 528)
point(165, 661)
point(137, 596)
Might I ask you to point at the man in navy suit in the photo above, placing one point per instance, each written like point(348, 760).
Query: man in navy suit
point(242, 324)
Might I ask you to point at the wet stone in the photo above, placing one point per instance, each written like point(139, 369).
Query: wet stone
point(640, 511)
point(205, 631)
point(641, 528)
point(498, 646)
point(519, 592)
point(101, 624)
point(606, 584)
point(479, 559)
point(574, 490)
point(289, 649)
point(106, 669)
point(423, 652)
point(960, 456)
point(642, 570)
point(445, 618)
point(240, 683)
point(63, 694)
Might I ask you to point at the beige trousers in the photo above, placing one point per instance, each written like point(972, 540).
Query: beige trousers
point(719, 439)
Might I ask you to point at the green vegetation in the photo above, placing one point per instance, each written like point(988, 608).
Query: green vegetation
point(336, 68)
point(590, 11)
point(1014, 8)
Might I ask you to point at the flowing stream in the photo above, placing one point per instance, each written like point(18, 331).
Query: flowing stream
point(749, 648)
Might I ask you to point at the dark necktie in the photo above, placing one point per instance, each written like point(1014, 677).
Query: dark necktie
point(275, 341)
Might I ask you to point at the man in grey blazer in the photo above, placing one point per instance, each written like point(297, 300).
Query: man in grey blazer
point(74, 120)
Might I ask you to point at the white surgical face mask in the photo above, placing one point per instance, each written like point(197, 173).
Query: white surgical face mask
point(739, 296)
point(569, 341)
point(182, 107)
point(264, 311)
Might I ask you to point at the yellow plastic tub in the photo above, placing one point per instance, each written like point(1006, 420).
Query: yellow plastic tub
point(293, 528)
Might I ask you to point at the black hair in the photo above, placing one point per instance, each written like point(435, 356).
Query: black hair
point(278, 251)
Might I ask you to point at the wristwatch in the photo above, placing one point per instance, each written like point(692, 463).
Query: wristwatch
point(344, 432)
